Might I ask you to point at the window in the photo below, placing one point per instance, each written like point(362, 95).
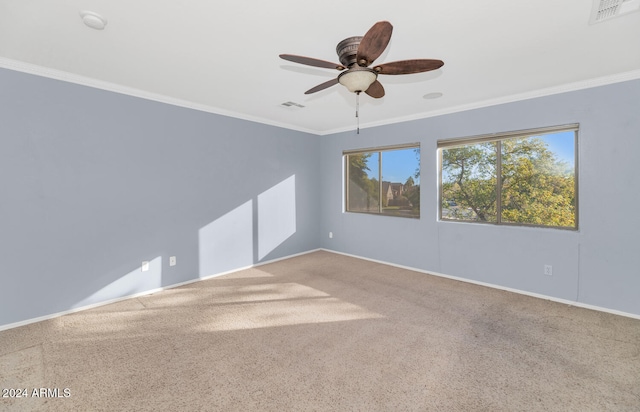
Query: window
point(520, 178)
point(384, 180)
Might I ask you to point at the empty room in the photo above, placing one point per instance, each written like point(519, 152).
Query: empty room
point(330, 206)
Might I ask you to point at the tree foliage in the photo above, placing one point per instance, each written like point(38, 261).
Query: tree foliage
point(412, 193)
point(364, 192)
point(536, 187)
point(412, 189)
point(469, 181)
point(364, 189)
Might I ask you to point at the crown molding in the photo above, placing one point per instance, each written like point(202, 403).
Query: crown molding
point(130, 91)
point(564, 88)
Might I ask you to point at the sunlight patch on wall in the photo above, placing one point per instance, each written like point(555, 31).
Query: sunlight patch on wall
point(276, 216)
point(132, 283)
point(227, 242)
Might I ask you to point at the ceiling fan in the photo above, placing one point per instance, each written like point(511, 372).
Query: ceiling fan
point(356, 55)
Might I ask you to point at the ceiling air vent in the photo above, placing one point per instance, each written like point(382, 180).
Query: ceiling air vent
point(607, 9)
point(292, 105)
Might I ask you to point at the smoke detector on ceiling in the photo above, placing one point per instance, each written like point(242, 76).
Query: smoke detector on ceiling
point(93, 20)
point(607, 9)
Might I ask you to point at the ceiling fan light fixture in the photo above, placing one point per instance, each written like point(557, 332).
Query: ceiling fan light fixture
point(357, 54)
point(358, 79)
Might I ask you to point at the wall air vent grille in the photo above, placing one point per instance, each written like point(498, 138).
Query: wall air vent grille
point(607, 9)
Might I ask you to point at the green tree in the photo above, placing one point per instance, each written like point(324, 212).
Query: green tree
point(469, 182)
point(416, 174)
point(409, 183)
point(536, 188)
point(364, 192)
point(412, 193)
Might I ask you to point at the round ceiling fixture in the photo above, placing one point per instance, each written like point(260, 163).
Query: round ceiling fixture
point(93, 20)
point(357, 79)
point(434, 95)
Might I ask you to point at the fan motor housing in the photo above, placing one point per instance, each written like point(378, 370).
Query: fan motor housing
point(347, 50)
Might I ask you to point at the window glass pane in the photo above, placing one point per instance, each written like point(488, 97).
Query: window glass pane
point(538, 185)
point(384, 181)
point(401, 182)
point(469, 182)
point(363, 186)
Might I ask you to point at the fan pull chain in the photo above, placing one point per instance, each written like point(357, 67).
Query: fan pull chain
point(357, 113)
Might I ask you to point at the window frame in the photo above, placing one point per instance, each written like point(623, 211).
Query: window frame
point(498, 138)
point(379, 150)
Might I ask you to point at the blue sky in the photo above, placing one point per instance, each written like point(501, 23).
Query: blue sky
point(563, 145)
point(398, 165)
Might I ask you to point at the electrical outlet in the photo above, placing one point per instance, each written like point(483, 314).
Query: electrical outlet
point(548, 270)
point(145, 266)
point(172, 261)
point(330, 235)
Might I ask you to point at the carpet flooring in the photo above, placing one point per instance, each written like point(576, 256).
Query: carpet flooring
point(325, 332)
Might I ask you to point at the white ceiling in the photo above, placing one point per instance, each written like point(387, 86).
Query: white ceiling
point(222, 57)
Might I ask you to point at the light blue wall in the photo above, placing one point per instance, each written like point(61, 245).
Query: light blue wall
point(92, 183)
point(598, 265)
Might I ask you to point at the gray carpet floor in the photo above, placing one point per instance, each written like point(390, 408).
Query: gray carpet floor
point(326, 332)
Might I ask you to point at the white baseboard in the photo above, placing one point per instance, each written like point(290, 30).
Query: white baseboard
point(475, 282)
point(145, 293)
point(491, 285)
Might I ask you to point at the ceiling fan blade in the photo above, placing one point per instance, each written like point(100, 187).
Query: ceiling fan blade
point(322, 86)
point(312, 62)
point(373, 43)
point(375, 90)
point(409, 66)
